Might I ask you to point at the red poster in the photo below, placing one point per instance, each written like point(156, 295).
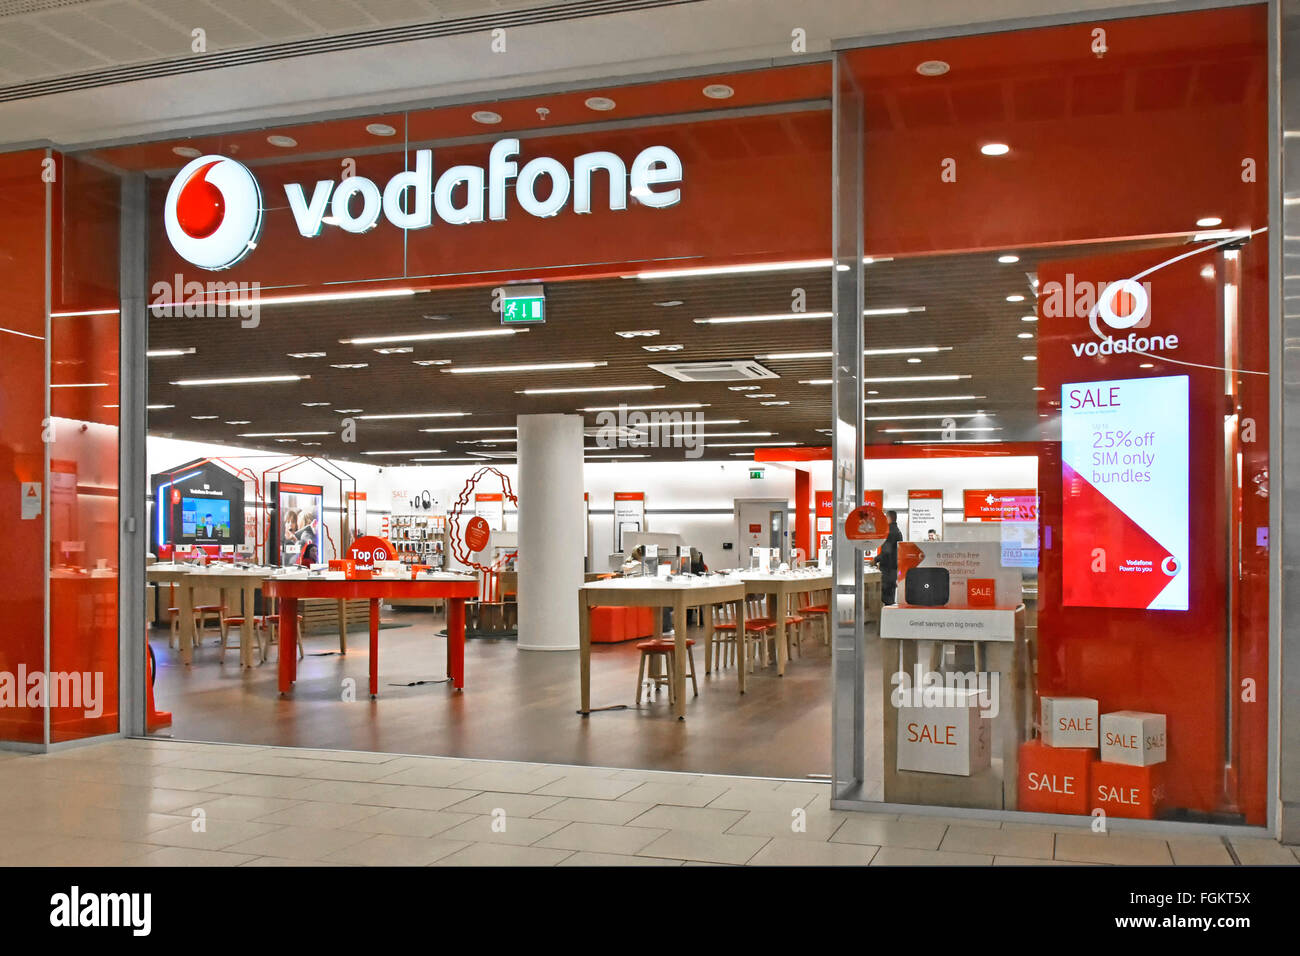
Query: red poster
point(1001, 504)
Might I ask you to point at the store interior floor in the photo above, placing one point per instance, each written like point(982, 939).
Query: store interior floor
point(517, 705)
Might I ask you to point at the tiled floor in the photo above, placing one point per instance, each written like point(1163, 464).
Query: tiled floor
point(169, 803)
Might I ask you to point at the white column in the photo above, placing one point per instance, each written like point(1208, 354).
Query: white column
point(552, 534)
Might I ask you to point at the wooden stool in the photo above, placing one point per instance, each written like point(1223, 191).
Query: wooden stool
point(239, 622)
point(664, 650)
point(271, 624)
point(202, 613)
point(174, 619)
point(821, 613)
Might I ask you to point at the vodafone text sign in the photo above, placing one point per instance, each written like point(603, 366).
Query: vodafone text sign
point(414, 198)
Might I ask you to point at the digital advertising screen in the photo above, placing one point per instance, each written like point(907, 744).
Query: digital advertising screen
point(299, 527)
point(205, 519)
point(1124, 451)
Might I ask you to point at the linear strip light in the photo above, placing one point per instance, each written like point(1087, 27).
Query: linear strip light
point(84, 385)
point(154, 408)
point(614, 454)
point(431, 336)
point(68, 315)
point(960, 428)
point(924, 398)
point(587, 388)
point(642, 408)
point(735, 270)
point(895, 310)
point(242, 380)
point(280, 434)
point(916, 350)
point(907, 418)
point(770, 317)
point(878, 380)
point(406, 451)
point(540, 367)
point(26, 335)
point(487, 441)
point(167, 353)
point(448, 461)
point(961, 441)
point(473, 428)
point(748, 444)
point(701, 423)
point(415, 415)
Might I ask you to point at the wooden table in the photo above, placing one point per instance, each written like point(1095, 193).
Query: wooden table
point(678, 594)
point(779, 586)
point(455, 589)
point(187, 579)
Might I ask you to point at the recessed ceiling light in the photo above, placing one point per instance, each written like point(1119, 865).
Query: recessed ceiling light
point(280, 434)
point(241, 380)
point(1147, 365)
point(1039, 388)
point(872, 391)
point(743, 388)
point(396, 350)
point(189, 152)
point(719, 91)
point(774, 403)
point(995, 149)
point(761, 395)
point(1207, 272)
point(155, 408)
point(380, 129)
point(914, 361)
point(284, 142)
point(306, 355)
point(417, 415)
point(168, 353)
point(244, 421)
point(1029, 318)
point(1015, 298)
point(588, 388)
point(351, 365)
point(1025, 335)
point(932, 67)
point(427, 362)
point(669, 303)
point(486, 117)
point(601, 104)
point(1008, 259)
point(1209, 222)
point(1030, 358)
point(430, 336)
point(203, 418)
point(314, 404)
point(529, 367)
point(663, 348)
point(638, 334)
point(348, 411)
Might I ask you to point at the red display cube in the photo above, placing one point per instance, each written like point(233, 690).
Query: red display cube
point(1123, 790)
point(1054, 779)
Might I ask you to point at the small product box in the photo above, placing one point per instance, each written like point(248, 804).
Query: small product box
point(1069, 721)
point(951, 738)
point(1128, 791)
point(1133, 737)
point(1054, 779)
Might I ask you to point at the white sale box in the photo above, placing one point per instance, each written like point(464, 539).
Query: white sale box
point(945, 739)
point(1133, 737)
point(1069, 722)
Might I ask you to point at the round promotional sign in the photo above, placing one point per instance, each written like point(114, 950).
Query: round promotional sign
point(866, 523)
point(368, 550)
point(477, 533)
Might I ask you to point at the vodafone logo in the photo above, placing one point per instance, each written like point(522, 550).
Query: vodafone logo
point(213, 212)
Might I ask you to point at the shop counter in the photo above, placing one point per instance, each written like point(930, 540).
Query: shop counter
point(187, 578)
point(780, 586)
point(676, 593)
point(455, 589)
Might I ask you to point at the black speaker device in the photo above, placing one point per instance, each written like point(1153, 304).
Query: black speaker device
point(926, 587)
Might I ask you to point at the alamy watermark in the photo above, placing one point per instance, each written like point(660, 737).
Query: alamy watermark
point(78, 690)
point(207, 300)
point(627, 427)
point(949, 689)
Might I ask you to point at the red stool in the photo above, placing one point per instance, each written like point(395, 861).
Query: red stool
point(663, 651)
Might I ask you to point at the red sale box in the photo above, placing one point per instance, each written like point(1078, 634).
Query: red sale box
point(981, 592)
point(1123, 790)
point(1054, 779)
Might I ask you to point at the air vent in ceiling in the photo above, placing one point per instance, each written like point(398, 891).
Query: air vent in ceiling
point(741, 370)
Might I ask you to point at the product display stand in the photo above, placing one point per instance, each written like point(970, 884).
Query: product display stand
point(1000, 649)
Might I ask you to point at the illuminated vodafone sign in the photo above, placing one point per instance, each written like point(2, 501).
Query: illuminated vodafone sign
point(213, 212)
point(411, 198)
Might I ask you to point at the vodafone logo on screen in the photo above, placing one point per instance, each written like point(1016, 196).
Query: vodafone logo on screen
point(213, 212)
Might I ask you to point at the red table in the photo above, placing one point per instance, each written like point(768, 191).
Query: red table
point(455, 589)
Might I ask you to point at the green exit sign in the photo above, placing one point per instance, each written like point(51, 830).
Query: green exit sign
point(756, 472)
point(525, 304)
